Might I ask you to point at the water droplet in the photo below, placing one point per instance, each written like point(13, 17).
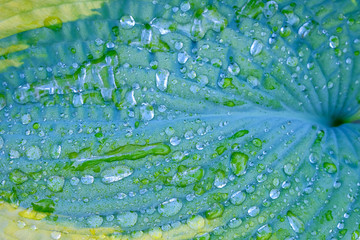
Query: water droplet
point(334, 41)
point(182, 57)
point(274, 193)
point(234, 223)
point(220, 179)
point(147, 112)
point(94, 221)
point(234, 69)
point(264, 232)
point(330, 167)
point(18, 177)
point(77, 100)
point(33, 153)
point(270, 9)
point(238, 198)
point(292, 61)
point(53, 23)
point(2, 101)
point(305, 29)
point(253, 211)
point(170, 208)
point(156, 233)
point(55, 151)
point(127, 219)
point(253, 81)
point(162, 77)
point(196, 222)
point(215, 211)
point(25, 119)
point(146, 36)
point(185, 6)
point(285, 31)
point(238, 163)
point(186, 176)
point(127, 22)
point(175, 141)
point(1, 142)
point(55, 235)
point(55, 183)
point(289, 169)
point(296, 224)
point(203, 80)
point(87, 179)
point(256, 48)
point(116, 173)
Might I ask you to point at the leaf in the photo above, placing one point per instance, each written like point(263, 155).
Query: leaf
point(180, 120)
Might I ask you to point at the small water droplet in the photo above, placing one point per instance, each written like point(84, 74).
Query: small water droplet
point(334, 41)
point(127, 22)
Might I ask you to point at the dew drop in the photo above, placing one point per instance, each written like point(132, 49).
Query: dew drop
point(334, 41)
point(296, 224)
point(33, 153)
point(256, 48)
point(234, 69)
point(253, 211)
point(116, 173)
point(55, 183)
point(238, 198)
point(162, 77)
point(147, 112)
point(170, 208)
point(127, 219)
point(127, 22)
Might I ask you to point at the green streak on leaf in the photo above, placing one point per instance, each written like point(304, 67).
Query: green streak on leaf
point(129, 152)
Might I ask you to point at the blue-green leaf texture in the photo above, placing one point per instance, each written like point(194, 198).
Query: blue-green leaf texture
point(88, 122)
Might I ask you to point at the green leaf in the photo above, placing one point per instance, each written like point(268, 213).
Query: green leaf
point(180, 119)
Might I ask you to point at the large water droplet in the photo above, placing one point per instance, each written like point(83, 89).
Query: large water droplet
point(186, 176)
point(33, 153)
point(296, 224)
point(238, 198)
point(162, 77)
point(147, 112)
point(238, 163)
point(270, 9)
point(253, 211)
point(170, 208)
point(127, 219)
point(256, 48)
point(114, 174)
point(182, 57)
point(94, 221)
point(55, 183)
point(305, 29)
